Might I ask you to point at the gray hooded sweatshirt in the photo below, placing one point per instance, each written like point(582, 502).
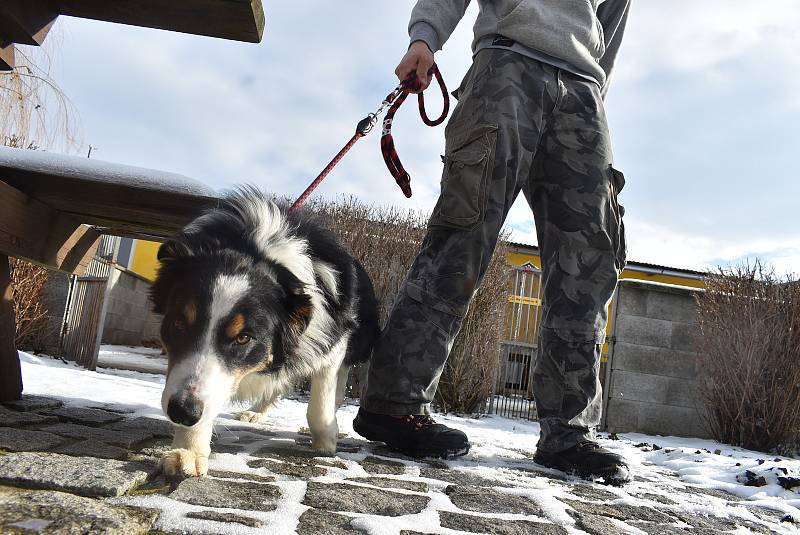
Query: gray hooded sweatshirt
point(584, 34)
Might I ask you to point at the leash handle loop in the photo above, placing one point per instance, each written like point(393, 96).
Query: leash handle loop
point(388, 150)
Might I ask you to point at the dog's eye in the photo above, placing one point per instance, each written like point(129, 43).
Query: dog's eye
point(179, 324)
point(242, 339)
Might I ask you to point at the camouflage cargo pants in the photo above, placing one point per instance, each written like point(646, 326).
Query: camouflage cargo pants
point(520, 125)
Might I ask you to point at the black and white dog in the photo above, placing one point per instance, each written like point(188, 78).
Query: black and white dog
point(254, 301)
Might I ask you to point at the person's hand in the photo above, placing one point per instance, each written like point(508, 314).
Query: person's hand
point(419, 60)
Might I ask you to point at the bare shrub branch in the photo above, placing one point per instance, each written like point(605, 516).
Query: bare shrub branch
point(749, 358)
point(30, 312)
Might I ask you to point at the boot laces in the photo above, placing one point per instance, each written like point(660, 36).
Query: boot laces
point(419, 421)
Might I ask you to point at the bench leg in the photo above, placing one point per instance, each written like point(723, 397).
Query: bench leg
point(10, 374)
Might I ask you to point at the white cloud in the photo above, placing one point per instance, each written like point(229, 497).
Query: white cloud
point(703, 109)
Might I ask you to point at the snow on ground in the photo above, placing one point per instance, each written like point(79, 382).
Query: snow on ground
point(143, 359)
point(499, 444)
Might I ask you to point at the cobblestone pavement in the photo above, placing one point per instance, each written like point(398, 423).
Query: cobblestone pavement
point(91, 470)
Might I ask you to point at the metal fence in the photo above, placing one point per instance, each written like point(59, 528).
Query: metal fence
point(85, 311)
point(513, 395)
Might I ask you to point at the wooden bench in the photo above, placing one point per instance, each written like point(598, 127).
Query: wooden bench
point(54, 208)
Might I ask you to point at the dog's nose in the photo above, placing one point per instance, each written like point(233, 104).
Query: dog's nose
point(186, 411)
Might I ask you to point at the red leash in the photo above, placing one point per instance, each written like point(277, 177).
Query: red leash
point(394, 100)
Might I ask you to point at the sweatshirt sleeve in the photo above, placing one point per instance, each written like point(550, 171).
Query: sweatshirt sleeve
point(613, 15)
point(432, 21)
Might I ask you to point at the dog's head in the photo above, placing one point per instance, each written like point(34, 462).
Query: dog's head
point(227, 314)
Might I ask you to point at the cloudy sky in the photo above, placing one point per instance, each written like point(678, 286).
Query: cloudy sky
point(704, 109)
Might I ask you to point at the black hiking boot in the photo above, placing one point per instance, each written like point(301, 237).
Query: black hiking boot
point(413, 435)
point(587, 460)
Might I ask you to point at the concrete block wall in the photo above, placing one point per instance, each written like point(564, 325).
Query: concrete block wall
point(652, 387)
point(129, 318)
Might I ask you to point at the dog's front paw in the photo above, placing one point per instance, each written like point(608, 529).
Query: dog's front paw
point(251, 416)
point(326, 444)
point(184, 463)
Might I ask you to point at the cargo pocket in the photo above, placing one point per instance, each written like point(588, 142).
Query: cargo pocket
point(617, 212)
point(467, 163)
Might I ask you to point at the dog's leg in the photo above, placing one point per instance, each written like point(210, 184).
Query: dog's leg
point(322, 405)
point(258, 412)
point(322, 410)
point(191, 448)
point(341, 384)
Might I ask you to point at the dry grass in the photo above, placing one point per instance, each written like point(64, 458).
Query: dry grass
point(386, 241)
point(749, 358)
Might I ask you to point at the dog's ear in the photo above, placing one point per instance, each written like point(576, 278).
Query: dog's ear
point(171, 250)
point(168, 273)
point(297, 302)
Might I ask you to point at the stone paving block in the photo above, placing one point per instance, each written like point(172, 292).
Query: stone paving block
point(93, 448)
point(224, 474)
point(226, 517)
point(460, 477)
point(494, 526)
point(590, 492)
point(85, 476)
point(303, 470)
point(9, 418)
point(714, 493)
point(118, 437)
point(620, 511)
point(316, 522)
point(596, 525)
point(484, 500)
point(389, 483)
point(111, 407)
point(713, 523)
point(376, 465)
point(33, 403)
point(81, 415)
point(355, 499)
point(662, 529)
point(153, 426)
point(60, 513)
point(208, 492)
point(280, 449)
point(12, 439)
point(656, 498)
